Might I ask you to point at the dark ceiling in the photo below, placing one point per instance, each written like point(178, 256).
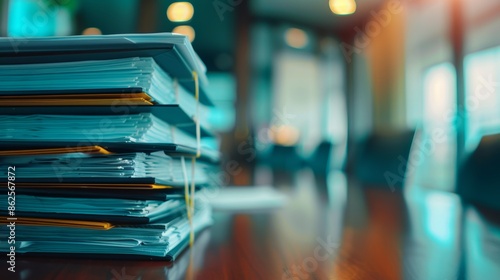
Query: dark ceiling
point(314, 13)
point(215, 30)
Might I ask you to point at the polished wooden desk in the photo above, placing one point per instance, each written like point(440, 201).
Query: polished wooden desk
point(338, 230)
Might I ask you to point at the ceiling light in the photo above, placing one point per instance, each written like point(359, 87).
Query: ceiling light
point(296, 38)
point(343, 7)
point(185, 30)
point(180, 11)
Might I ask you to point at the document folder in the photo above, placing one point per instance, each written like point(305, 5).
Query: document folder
point(172, 52)
point(142, 194)
point(163, 238)
point(121, 169)
point(11, 148)
point(112, 210)
point(170, 114)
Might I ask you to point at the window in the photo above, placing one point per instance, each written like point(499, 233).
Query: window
point(439, 95)
point(482, 101)
point(437, 144)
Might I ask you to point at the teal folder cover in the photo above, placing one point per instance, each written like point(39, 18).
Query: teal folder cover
point(172, 52)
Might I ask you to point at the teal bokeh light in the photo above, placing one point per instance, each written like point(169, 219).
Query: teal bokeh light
point(31, 18)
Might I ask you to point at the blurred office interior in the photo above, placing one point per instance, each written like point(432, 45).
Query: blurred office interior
point(394, 96)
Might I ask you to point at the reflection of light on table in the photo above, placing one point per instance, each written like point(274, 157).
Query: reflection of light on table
point(247, 199)
point(434, 214)
point(482, 246)
point(440, 217)
point(434, 218)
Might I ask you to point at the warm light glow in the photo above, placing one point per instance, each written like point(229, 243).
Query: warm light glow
point(296, 38)
point(180, 11)
point(343, 7)
point(285, 135)
point(439, 93)
point(92, 31)
point(185, 30)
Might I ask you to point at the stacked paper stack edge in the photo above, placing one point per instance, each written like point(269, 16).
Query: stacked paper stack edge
point(98, 154)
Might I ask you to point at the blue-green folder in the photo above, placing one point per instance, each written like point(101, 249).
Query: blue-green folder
point(172, 52)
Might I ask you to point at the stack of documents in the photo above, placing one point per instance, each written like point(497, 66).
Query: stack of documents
point(102, 168)
point(163, 236)
point(125, 81)
point(107, 145)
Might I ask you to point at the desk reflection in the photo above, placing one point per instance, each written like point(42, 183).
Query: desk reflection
point(334, 229)
point(482, 246)
point(58, 268)
point(432, 247)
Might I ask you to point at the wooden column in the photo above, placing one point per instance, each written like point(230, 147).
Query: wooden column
point(148, 19)
point(242, 131)
point(457, 39)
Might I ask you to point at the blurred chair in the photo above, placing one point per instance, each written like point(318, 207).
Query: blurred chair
point(321, 164)
point(284, 162)
point(284, 158)
point(479, 176)
point(382, 158)
point(320, 159)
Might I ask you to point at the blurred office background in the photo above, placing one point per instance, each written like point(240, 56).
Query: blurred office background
point(395, 92)
point(401, 96)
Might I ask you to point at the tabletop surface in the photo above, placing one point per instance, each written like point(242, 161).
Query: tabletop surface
point(331, 230)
